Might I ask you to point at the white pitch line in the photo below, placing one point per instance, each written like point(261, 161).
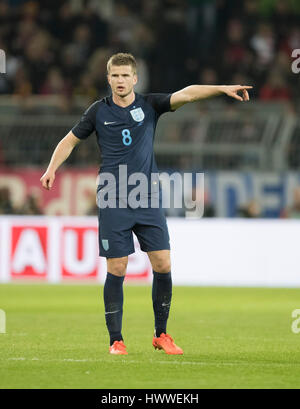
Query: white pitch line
point(14, 359)
point(151, 361)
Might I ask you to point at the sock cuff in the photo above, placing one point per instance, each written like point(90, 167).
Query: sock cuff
point(162, 276)
point(114, 278)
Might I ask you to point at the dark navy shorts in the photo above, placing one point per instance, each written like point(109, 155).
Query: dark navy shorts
point(116, 226)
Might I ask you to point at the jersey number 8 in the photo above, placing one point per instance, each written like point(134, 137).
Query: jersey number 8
point(127, 139)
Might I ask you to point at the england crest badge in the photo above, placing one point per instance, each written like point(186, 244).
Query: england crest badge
point(137, 114)
point(105, 244)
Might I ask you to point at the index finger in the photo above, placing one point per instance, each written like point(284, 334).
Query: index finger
point(245, 86)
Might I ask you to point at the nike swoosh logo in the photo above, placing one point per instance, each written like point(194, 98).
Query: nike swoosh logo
point(166, 305)
point(111, 312)
point(109, 123)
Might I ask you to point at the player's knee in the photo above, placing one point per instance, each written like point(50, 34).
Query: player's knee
point(162, 266)
point(117, 266)
point(118, 270)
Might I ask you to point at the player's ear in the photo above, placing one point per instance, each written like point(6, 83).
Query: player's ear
point(135, 79)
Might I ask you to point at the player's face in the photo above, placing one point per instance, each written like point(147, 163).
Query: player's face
point(121, 79)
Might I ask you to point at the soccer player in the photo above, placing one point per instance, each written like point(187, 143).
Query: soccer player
point(125, 125)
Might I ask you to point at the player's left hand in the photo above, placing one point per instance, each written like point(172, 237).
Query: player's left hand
point(233, 90)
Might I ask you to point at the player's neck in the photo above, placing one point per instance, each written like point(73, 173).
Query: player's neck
point(124, 101)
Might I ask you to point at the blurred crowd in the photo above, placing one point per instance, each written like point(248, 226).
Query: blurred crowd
point(200, 207)
point(30, 206)
point(61, 47)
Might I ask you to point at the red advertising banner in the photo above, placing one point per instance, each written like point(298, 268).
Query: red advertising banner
point(73, 192)
point(29, 257)
point(79, 252)
point(58, 249)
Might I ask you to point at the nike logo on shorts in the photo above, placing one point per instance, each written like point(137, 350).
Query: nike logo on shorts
point(109, 123)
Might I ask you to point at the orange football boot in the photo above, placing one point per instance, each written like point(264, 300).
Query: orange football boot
point(118, 348)
point(165, 342)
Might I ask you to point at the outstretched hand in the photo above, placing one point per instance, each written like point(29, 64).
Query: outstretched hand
point(233, 91)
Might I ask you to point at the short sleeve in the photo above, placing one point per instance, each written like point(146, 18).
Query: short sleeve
point(159, 102)
point(87, 123)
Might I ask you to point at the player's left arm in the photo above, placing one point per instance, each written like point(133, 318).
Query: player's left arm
point(196, 92)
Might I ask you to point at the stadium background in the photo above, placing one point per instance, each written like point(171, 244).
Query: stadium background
point(56, 64)
point(56, 54)
point(54, 336)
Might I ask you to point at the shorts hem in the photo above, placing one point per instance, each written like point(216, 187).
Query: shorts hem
point(155, 249)
point(119, 255)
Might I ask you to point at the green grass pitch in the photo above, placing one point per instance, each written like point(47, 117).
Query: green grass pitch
point(232, 338)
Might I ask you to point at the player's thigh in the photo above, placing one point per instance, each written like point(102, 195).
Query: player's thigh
point(117, 265)
point(160, 260)
point(115, 233)
point(151, 230)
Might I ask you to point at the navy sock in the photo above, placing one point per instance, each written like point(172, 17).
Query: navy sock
point(113, 302)
point(161, 298)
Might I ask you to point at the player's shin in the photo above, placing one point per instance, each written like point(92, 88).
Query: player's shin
point(113, 302)
point(161, 298)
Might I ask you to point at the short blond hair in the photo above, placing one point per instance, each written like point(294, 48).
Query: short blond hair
point(122, 59)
